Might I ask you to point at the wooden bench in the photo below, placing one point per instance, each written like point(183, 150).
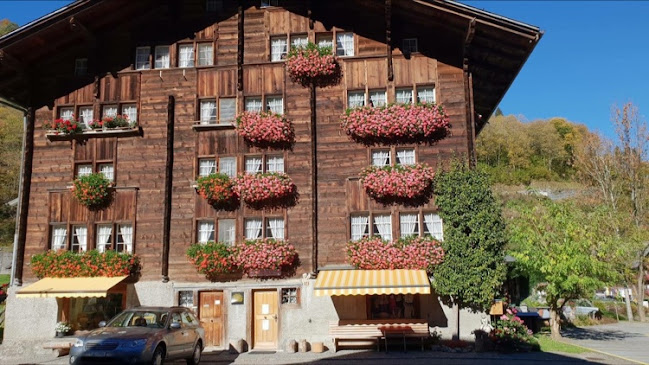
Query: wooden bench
point(377, 330)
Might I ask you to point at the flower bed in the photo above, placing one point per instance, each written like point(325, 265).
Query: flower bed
point(408, 185)
point(64, 126)
point(413, 253)
point(313, 65)
point(118, 121)
point(212, 259)
point(94, 191)
point(396, 124)
point(66, 264)
point(264, 255)
point(266, 130)
point(266, 190)
point(510, 334)
point(218, 190)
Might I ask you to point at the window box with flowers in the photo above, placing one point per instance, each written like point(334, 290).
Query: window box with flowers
point(313, 65)
point(265, 257)
point(113, 126)
point(218, 190)
point(411, 253)
point(266, 130)
point(410, 185)
point(266, 190)
point(94, 191)
point(396, 124)
point(212, 259)
point(67, 264)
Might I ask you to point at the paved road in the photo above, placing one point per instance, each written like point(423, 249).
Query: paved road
point(629, 340)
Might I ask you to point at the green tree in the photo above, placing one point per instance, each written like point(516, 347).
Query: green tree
point(7, 26)
point(473, 269)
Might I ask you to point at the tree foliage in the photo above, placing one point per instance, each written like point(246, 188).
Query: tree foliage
point(11, 128)
point(7, 26)
point(474, 238)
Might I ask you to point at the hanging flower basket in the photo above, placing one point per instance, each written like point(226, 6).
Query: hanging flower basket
point(66, 264)
point(266, 130)
point(94, 191)
point(212, 259)
point(265, 257)
point(413, 253)
point(313, 65)
point(266, 190)
point(396, 124)
point(218, 190)
point(410, 185)
point(63, 126)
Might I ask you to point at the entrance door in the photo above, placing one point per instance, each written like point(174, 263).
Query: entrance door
point(265, 319)
point(211, 317)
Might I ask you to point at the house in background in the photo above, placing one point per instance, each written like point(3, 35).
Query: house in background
point(183, 70)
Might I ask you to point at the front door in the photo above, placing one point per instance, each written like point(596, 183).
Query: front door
point(265, 319)
point(211, 317)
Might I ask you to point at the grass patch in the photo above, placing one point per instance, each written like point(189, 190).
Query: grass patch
point(549, 345)
point(4, 278)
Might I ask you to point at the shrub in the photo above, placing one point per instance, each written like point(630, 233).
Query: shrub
point(61, 126)
point(265, 254)
point(93, 190)
point(218, 190)
point(412, 253)
point(266, 130)
point(313, 65)
point(511, 334)
point(66, 264)
point(266, 190)
point(212, 259)
point(407, 185)
point(396, 124)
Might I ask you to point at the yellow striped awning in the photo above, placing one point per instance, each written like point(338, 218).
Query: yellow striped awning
point(362, 282)
point(70, 287)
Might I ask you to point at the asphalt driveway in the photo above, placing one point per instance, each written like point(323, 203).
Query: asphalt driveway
point(629, 340)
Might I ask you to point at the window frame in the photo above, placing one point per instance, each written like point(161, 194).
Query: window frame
point(136, 62)
point(81, 67)
point(407, 45)
point(264, 225)
point(395, 221)
point(211, 60)
point(393, 154)
point(264, 102)
point(269, 4)
point(217, 161)
point(353, 49)
point(298, 295)
point(287, 48)
point(155, 57)
point(192, 61)
point(264, 161)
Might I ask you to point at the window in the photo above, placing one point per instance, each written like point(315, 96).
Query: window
point(383, 226)
point(345, 44)
point(84, 170)
point(360, 226)
point(186, 55)
point(109, 111)
point(290, 295)
point(253, 105)
point(392, 306)
point(59, 238)
point(104, 237)
point(278, 48)
point(405, 156)
point(107, 170)
point(227, 110)
point(325, 40)
point(228, 166)
point(409, 46)
point(142, 58)
point(275, 104)
point(186, 298)
point(409, 224)
point(205, 231)
point(81, 67)
point(381, 158)
point(355, 99)
point(208, 111)
point(227, 231)
point(162, 57)
point(205, 54)
point(130, 110)
point(426, 94)
point(275, 164)
point(253, 228)
point(214, 5)
point(404, 96)
point(433, 226)
point(124, 238)
point(79, 238)
point(255, 164)
point(66, 113)
point(275, 228)
point(299, 41)
point(85, 114)
point(206, 166)
point(267, 3)
point(378, 98)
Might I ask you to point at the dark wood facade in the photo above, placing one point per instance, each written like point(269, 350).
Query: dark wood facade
point(240, 32)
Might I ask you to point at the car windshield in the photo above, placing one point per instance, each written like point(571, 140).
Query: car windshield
point(150, 319)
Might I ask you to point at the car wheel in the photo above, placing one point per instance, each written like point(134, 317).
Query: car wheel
point(158, 356)
point(196, 355)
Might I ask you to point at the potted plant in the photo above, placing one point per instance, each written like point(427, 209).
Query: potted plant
point(266, 190)
point(266, 130)
point(265, 257)
point(62, 329)
point(313, 65)
point(410, 185)
point(212, 259)
point(93, 190)
point(64, 126)
point(396, 124)
point(218, 190)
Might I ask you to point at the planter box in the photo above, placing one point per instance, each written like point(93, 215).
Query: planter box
point(264, 273)
point(94, 133)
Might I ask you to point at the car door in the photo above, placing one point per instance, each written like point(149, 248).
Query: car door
point(190, 336)
point(175, 337)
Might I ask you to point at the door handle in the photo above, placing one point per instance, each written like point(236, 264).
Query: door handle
point(275, 316)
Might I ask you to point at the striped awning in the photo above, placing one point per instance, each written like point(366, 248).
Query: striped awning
point(70, 287)
point(362, 282)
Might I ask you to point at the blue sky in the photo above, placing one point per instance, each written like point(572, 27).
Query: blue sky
point(593, 55)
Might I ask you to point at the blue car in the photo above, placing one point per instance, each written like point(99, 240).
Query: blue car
point(143, 335)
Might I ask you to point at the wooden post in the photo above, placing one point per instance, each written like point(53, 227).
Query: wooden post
point(388, 37)
point(314, 179)
point(26, 178)
point(168, 186)
point(240, 36)
point(468, 94)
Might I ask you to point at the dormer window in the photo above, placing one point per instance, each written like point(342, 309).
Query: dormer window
point(267, 3)
point(81, 67)
point(409, 46)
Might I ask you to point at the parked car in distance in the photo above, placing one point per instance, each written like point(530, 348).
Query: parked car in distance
point(143, 335)
point(585, 308)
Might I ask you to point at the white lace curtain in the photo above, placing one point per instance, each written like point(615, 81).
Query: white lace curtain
point(228, 166)
point(381, 158)
point(434, 225)
point(406, 157)
point(126, 230)
point(253, 228)
point(59, 236)
point(208, 111)
point(276, 226)
point(275, 105)
point(82, 237)
point(359, 227)
point(275, 164)
point(383, 225)
point(83, 170)
point(108, 171)
point(409, 225)
point(206, 167)
point(205, 232)
point(253, 165)
point(253, 105)
point(278, 48)
point(103, 237)
point(226, 231)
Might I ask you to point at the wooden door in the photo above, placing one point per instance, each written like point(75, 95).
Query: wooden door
point(211, 317)
point(265, 318)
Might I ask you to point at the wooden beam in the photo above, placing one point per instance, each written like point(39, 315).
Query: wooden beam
point(388, 37)
point(12, 62)
point(169, 167)
point(77, 26)
point(240, 47)
point(314, 179)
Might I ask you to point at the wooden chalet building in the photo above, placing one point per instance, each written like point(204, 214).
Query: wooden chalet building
point(183, 70)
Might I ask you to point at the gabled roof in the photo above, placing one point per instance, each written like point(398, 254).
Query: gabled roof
point(496, 47)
